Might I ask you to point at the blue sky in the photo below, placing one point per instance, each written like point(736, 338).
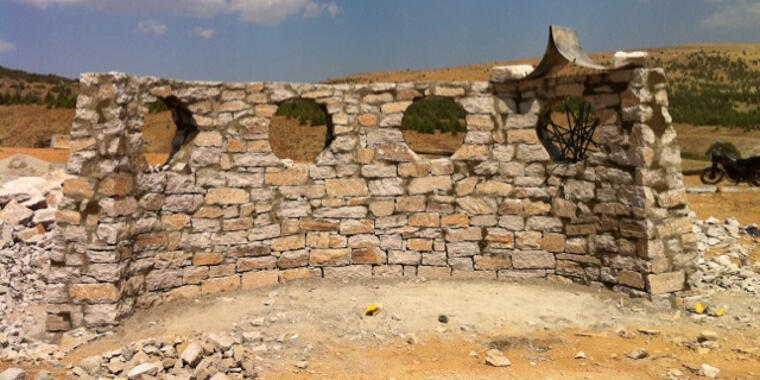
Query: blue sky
point(312, 40)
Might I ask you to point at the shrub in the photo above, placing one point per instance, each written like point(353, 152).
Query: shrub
point(726, 147)
point(434, 113)
point(304, 110)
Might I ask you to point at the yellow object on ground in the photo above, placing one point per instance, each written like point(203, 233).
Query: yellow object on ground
point(372, 310)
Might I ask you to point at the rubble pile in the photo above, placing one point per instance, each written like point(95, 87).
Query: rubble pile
point(732, 270)
point(27, 219)
point(208, 356)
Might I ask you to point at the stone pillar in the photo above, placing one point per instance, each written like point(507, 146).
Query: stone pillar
point(86, 282)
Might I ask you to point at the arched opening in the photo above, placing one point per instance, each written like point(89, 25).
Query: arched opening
point(167, 127)
point(434, 126)
point(568, 129)
point(300, 130)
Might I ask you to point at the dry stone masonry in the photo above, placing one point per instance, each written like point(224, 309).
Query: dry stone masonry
point(228, 214)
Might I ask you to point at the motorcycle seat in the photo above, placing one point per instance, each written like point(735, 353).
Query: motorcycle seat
point(752, 161)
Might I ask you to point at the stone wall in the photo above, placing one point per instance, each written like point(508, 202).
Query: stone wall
point(228, 214)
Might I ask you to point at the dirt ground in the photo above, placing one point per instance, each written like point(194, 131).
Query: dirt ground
point(539, 326)
point(433, 144)
point(300, 143)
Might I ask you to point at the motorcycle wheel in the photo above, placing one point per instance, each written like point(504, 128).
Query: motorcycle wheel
point(712, 176)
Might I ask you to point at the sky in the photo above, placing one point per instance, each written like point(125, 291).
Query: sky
point(313, 40)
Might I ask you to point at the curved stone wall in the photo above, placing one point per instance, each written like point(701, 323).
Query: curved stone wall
point(229, 214)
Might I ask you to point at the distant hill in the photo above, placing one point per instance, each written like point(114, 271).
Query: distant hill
point(710, 84)
point(714, 85)
point(19, 87)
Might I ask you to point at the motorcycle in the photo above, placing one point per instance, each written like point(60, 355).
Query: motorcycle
point(737, 169)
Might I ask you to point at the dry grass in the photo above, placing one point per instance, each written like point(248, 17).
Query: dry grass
point(300, 143)
point(434, 144)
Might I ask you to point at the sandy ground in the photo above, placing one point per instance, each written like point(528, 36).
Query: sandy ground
point(539, 326)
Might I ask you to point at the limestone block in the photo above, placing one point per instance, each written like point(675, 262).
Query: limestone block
point(511, 72)
point(404, 257)
point(371, 255)
point(353, 227)
point(330, 257)
point(94, 293)
point(346, 187)
point(386, 187)
point(293, 259)
point(629, 59)
point(526, 259)
point(666, 282)
point(477, 205)
point(259, 279)
point(296, 175)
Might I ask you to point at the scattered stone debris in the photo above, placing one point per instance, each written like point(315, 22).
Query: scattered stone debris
point(709, 371)
point(13, 374)
point(443, 318)
point(638, 354)
point(206, 356)
point(27, 219)
point(580, 355)
point(732, 270)
point(496, 358)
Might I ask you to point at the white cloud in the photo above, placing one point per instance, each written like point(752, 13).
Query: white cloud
point(204, 33)
point(313, 9)
point(268, 12)
point(6, 46)
point(152, 27)
point(734, 14)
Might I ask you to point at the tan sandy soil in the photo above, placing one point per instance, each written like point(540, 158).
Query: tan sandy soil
point(433, 144)
point(32, 125)
point(539, 326)
point(300, 143)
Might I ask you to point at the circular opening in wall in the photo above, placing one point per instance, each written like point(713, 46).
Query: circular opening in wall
point(299, 130)
point(434, 126)
point(167, 126)
point(568, 129)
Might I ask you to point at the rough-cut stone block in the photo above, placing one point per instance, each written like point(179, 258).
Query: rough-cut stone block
point(469, 152)
point(260, 279)
point(330, 257)
point(251, 263)
point(94, 293)
point(293, 259)
point(532, 260)
point(207, 258)
point(425, 220)
point(456, 220)
point(227, 196)
point(477, 205)
point(299, 274)
point(404, 257)
point(78, 187)
point(430, 184)
point(666, 282)
point(346, 187)
point(485, 262)
point(553, 242)
point(296, 175)
point(368, 256)
point(433, 273)
point(461, 249)
point(287, 243)
point(221, 284)
point(353, 227)
point(464, 234)
point(116, 185)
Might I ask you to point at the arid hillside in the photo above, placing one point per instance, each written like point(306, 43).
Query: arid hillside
point(714, 94)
